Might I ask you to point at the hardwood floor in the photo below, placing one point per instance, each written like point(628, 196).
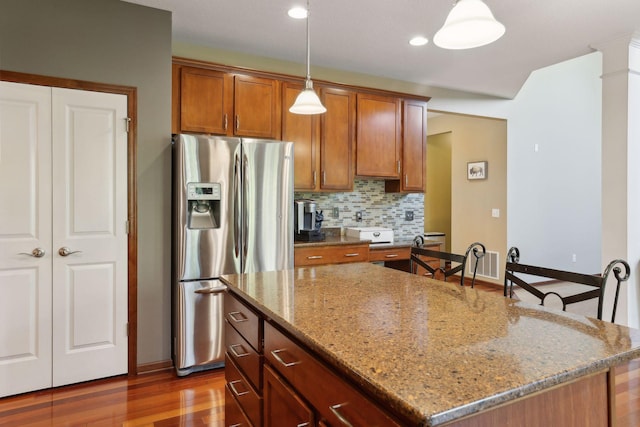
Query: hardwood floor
point(162, 399)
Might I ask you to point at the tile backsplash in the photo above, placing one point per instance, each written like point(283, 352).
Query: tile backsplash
point(379, 209)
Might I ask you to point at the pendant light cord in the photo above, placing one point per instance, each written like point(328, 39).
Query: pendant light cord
point(308, 43)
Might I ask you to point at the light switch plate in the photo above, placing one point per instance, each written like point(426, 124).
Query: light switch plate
point(495, 213)
point(408, 215)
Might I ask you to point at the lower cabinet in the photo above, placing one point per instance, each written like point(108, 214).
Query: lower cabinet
point(282, 405)
point(297, 388)
point(331, 254)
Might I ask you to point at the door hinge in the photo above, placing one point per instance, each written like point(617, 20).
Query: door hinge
point(127, 226)
point(127, 121)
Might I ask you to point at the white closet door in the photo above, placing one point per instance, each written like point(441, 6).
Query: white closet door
point(89, 222)
point(25, 227)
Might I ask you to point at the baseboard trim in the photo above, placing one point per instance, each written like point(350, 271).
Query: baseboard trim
point(163, 365)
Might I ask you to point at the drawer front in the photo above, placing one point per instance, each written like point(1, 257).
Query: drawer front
point(243, 393)
point(244, 320)
point(336, 254)
point(336, 400)
point(282, 405)
point(396, 254)
point(243, 355)
point(233, 415)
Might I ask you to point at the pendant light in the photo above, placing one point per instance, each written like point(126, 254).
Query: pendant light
point(307, 101)
point(469, 24)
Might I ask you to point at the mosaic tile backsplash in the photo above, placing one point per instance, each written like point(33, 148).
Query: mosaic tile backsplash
point(379, 209)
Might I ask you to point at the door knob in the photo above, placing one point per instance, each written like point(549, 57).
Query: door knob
point(65, 251)
point(36, 253)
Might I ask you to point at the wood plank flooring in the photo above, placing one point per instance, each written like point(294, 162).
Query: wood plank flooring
point(164, 400)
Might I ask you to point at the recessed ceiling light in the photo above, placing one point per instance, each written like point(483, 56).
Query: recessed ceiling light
point(297, 12)
point(418, 41)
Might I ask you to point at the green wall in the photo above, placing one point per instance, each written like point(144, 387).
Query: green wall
point(110, 41)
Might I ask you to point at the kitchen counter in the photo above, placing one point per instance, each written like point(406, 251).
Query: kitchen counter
point(432, 352)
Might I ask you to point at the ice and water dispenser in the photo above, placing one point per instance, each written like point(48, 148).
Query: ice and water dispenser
point(203, 205)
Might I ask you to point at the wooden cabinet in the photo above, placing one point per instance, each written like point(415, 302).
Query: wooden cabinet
point(206, 100)
point(304, 131)
point(414, 149)
point(378, 140)
point(221, 103)
point(323, 144)
point(337, 139)
point(282, 405)
point(243, 363)
point(336, 401)
point(389, 254)
point(256, 107)
point(331, 254)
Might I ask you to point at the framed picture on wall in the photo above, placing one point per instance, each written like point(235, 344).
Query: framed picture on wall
point(477, 170)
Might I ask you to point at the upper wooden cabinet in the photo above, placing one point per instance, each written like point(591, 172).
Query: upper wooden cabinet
point(206, 101)
point(337, 139)
point(414, 149)
point(304, 131)
point(221, 103)
point(256, 107)
point(378, 136)
point(323, 144)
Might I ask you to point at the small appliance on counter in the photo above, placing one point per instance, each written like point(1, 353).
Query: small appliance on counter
point(307, 221)
point(377, 235)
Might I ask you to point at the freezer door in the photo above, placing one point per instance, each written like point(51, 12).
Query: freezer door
point(267, 221)
point(201, 252)
point(199, 326)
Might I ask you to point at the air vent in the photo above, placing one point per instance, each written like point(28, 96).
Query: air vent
point(487, 266)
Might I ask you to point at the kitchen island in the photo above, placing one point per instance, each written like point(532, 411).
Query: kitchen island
point(422, 352)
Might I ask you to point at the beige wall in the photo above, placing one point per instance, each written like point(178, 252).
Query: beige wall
point(476, 139)
point(437, 198)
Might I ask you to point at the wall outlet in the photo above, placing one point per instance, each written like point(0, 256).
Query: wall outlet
point(408, 215)
point(358, 216)
point(336, 212)
point(495, 213)
point(574, 258)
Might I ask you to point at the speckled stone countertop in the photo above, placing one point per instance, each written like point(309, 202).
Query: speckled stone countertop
point(433, 351)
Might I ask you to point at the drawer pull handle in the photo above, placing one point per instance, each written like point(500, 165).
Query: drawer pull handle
point(279, 359)
point(391, 256)
point(336, 411)
point(352, 255)
point(303, 425)
point(315, 257)
point(232, 386)
point(234, 316)
point(235, 353)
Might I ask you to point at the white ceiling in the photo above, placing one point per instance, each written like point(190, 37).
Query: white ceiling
point(371, 36)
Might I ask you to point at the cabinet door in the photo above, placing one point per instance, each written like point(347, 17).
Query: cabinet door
point(337, 141)
point(206, 97)
point(282, 405)
point(414, 146)
point(378, 136)
point(25, 226)
point(256, 107)
point(303, 130)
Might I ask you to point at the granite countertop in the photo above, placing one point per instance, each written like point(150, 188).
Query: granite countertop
point(433, 351)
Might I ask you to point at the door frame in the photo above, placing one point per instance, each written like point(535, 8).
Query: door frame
point(132, 185)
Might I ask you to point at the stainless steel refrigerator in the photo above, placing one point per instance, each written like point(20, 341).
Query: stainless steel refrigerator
point(232, 213)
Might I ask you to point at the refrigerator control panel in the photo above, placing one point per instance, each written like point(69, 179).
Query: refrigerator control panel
point(203, 191)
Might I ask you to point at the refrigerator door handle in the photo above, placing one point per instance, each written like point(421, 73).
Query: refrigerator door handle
point(236, 208)
point(245, 211)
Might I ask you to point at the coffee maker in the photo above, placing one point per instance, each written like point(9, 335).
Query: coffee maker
point(307, 221)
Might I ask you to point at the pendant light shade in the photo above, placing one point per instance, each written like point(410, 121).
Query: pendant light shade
point(307, 101)
point(469, 24)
